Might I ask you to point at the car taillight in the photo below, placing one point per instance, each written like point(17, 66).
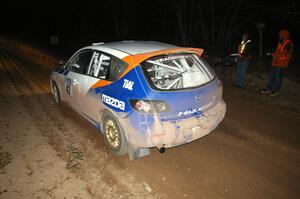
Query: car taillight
point(149, 106)
point(161, 107)
point(142, 106)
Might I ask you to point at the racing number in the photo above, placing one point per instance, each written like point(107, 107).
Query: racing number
point(68, 87)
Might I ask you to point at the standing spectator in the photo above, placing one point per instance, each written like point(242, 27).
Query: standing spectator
point(243, 60)
point(281, 60)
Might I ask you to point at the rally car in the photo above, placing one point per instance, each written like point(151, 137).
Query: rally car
point(142, 94)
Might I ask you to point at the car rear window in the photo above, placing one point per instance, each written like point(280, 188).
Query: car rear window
point(177, 71)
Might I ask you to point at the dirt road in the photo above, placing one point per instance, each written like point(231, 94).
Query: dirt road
point(48, 151)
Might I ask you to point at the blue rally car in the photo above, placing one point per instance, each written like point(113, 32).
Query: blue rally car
point(142, 94)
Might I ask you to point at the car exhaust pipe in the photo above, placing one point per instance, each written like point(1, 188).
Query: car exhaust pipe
point(161, 149)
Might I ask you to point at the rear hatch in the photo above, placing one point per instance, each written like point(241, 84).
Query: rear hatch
point(184, 81)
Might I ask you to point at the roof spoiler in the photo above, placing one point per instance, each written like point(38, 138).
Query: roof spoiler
point(97, 43)
point(138, 58)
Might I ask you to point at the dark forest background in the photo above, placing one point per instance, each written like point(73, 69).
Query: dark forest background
point(214, 25)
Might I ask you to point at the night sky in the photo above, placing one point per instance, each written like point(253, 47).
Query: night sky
point(87, 21)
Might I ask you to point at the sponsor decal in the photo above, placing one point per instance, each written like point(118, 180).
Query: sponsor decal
point(128, 84)
point(113, 102)
point(174, 57)
point(195, 110)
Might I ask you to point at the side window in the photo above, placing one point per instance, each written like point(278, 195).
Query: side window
point(117, 68)
point(80, 62)
point(99, 66)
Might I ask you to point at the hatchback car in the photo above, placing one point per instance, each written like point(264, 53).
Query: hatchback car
point(142, 94)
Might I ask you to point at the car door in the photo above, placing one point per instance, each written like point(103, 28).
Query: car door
point(74, 76)
point(98, 71)
point(103, 69)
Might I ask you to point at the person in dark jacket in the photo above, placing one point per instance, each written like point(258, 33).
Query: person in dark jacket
point(243, 60)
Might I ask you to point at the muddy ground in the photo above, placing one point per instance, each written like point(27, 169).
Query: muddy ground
point(49, 151)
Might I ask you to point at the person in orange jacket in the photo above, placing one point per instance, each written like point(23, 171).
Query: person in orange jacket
point(281, 60)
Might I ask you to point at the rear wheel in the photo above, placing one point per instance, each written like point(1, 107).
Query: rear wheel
point(56, 94)
point(114, 135)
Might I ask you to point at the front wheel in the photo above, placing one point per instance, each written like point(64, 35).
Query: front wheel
point(114, 135)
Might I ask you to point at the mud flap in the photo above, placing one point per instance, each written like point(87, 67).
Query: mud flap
point(136, 152)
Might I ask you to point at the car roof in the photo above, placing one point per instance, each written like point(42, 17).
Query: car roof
point(137, 47)
point(123, 48)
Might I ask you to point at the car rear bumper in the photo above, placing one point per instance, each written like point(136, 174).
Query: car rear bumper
point(173, 133)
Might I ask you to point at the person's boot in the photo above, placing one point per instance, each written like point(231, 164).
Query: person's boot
point(265, 91)
point(274, 93)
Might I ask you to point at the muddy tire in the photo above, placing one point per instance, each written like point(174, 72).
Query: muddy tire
point(114, 135)
point(55, 93)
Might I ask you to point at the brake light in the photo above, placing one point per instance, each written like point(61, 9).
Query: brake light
point(161, 107)
point(149, 106)
point(143, 106)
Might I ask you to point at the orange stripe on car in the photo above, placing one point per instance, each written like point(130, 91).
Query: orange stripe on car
point(134, 60)
point(101, 83)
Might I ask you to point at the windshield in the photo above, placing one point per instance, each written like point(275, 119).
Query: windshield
point(177, 71)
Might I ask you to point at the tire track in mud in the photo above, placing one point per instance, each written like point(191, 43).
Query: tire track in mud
point(104, 177)
point(41, 75)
